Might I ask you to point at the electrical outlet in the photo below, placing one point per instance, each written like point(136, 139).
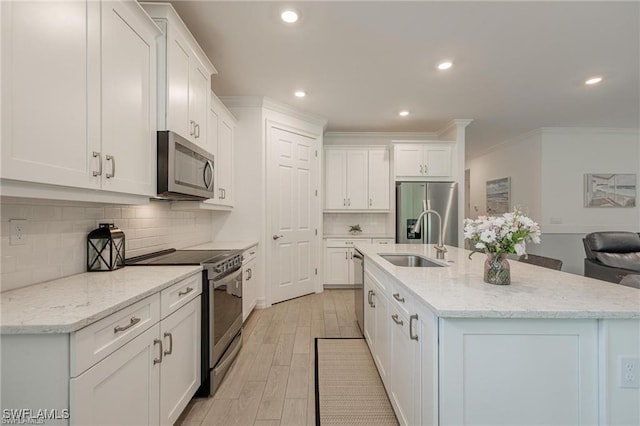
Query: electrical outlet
point(18, 231)
point(629, 374)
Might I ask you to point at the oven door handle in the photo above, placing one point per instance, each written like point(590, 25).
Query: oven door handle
point(228, 360)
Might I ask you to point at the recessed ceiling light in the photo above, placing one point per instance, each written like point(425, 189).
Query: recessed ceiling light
point(403, 113)
point(289, 16)
point(300, 93)
point(593, 80)
point(445, 65)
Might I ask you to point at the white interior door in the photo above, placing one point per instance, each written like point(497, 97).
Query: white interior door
point(293, 206)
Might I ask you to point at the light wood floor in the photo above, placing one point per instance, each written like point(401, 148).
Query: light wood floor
point(272, 380)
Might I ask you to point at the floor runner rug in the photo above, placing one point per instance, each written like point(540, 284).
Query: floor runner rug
point(348, 388)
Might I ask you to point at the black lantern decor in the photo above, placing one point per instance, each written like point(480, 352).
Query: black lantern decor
point(105, 248)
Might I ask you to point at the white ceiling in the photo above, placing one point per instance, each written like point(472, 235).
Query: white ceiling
point(518, 66)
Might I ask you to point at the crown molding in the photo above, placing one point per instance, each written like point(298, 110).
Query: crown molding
point(273, 105)
point(455, 123)
point(589, 130)
point(381, 135)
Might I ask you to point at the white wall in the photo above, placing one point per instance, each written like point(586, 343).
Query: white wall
point(56, 244)
point(547, 170)
point(567, 154)
point(519, 160)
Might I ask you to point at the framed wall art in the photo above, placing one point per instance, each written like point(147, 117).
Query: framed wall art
point(610, 190)
point(499, 195)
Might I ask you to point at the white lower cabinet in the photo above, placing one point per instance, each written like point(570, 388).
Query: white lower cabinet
point(479, 371)
point(148, 381)
point(123, 388)
point(249, 281)
point(338, 259)
point(404, 374)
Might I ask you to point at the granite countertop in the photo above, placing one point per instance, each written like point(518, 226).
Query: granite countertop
point(459, 291)
point(68, 304)
point(224, 245)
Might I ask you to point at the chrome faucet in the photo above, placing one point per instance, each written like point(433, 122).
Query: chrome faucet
point(440, 248)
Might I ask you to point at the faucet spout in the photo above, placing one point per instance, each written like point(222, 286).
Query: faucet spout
point(440, 248)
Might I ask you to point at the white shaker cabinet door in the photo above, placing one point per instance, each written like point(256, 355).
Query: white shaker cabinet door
point(379, 179)
point(51, 92)
point(198, 101)
point(382, 353)
point(180, 367)
point(225, 163)
point(409, 161)
point(335, 178)
point(357, 175)
point(337, 265)
point(405, 368)
point(128, 99)
point(437, 161)
point(177, 64)
point(369, 311)
point(123, 388)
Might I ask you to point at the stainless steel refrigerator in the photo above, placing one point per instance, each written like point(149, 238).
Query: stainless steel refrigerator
point(410, 198)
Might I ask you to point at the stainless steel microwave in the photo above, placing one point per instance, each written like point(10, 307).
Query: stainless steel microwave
point(185, 171)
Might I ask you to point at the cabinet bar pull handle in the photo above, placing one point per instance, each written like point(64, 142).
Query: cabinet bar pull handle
point(170, 350)
point(344, 202)
point(412, 336)
point(197, 130)
point(398, 298)
point(192, 127)
point(426, 170)
point(346, 255)
point(349, 202)
point(187, 291)
point(395, 319)
point(250, 273)
point(133, 321)
point(370, 202)
point(369, 297)
point(158, 360)
point(224, 193)
point(421, 169)
point(99, 172)
point(113, 166)
point(373, 294)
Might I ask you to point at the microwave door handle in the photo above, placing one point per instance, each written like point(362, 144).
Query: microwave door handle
point(204, 174)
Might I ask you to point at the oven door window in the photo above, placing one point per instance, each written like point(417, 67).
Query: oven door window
point(227, 303)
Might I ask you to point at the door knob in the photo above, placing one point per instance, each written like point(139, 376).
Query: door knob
point(275, 237)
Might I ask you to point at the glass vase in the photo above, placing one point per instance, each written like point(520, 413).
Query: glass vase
point(496, 269)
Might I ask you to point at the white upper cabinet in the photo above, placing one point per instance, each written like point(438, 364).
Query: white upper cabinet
point(220, 144)
point(184, 77)
point(356, 179)
point(430, 160)
point(78, 98)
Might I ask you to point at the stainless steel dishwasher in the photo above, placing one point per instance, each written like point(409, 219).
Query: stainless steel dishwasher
point(358, 269)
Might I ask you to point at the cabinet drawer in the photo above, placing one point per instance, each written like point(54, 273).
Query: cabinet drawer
point(402, 299)
point(94, 342)
point(383, 241)
point(334, 242)
point(179, 294)
point(249, 254)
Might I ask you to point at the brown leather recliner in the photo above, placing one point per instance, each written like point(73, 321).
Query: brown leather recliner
point(612, 255)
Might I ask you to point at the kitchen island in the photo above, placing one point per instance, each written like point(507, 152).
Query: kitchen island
point(551, 348)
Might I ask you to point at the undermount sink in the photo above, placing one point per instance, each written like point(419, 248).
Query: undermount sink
point(410, 260)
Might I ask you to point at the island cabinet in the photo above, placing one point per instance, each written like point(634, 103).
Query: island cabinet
point(184, 77)
point(356, 179)
point(89, 121)
point(453, 371)
point(425, 160)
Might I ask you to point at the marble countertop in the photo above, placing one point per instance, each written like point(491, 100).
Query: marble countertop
point(224, 245)
point(352, 236)
point(459, 291)
point(68, 304)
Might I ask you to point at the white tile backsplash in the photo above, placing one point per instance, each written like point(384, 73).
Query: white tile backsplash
point(57, 234)
point(371, 223)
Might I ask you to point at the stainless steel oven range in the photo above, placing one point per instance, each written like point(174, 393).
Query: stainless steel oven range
point(221, 306)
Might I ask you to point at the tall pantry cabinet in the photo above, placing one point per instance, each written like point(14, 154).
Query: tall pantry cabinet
point(69, 116)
